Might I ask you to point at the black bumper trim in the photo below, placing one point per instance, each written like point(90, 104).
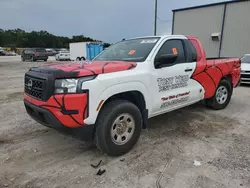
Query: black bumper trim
point(69, 112)
point(47, 118)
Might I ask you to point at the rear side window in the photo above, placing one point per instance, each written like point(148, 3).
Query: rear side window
point(173, 47)
point(197, 49)
point(191, 51)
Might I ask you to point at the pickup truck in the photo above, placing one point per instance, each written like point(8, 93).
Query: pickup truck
point(110, 99)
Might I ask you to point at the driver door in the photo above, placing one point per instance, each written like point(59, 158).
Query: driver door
point(172, 86)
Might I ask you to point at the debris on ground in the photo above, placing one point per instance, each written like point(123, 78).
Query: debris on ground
point(100, 172)
point(197, 163)
point(96, 166)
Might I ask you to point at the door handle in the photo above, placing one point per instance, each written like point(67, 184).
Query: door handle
point(188, 70)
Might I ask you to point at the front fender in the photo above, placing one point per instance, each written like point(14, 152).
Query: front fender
point(116, 89)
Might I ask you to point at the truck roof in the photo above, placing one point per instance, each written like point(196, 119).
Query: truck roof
point(160, 36)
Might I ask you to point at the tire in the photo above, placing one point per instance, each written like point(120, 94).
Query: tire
point(22, 58)
point(220, 100)
point(32, 59)
point(45, 59)
point(111, 113)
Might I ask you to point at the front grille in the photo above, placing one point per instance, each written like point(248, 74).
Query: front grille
point(245, 75)
point(34, 87)
point(245, 71)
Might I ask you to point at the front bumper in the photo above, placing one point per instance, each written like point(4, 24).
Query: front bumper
point(63, 58)
point(70, 109)
point(47, 118)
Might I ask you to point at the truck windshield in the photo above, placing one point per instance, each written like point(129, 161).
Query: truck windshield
point(129, 50)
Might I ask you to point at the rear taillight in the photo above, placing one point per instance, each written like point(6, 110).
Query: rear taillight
point(34, 53)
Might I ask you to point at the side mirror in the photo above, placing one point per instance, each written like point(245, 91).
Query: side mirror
point(165, 59)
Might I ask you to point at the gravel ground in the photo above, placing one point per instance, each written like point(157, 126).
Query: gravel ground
point(35, 156)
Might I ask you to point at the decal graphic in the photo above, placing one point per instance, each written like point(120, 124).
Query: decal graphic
point(166, 84)
point(174, 102)
point(175, 96)
point(149, 41)
point(61, 102)
point(208, 72)
point(175, 99)
point(84, 69)
point(131, 52)
point(174, 50)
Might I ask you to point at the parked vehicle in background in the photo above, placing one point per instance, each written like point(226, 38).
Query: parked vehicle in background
point(1, 51)
point(245, 69)
point(63, 55)
point(34, 54)
point(50, 52)
point(63, 49)
point(10, 54)
point(111, 98)
point(54, 52)
point(84, 50)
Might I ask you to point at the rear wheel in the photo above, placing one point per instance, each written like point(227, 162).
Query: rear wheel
point(118, 127)
point(221, 97)
point(45, 59)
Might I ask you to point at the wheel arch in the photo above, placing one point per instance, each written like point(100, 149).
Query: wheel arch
point(134, 96)
point(229, 78)
point(135, 92)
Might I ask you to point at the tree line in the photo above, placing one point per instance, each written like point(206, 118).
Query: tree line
point(18, 38)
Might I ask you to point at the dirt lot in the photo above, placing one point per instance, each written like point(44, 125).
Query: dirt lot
point(34, 156)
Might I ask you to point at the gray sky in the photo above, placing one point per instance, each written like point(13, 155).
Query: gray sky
point(107, 20)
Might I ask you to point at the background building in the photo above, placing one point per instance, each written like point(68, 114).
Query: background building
point(223, 28)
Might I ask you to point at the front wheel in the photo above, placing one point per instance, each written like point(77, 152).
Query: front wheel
point(118, 127)
point(221, 97)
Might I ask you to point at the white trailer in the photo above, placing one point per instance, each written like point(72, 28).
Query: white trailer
point(84, 50)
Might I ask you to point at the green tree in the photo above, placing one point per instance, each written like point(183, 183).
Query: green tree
point(20, 38)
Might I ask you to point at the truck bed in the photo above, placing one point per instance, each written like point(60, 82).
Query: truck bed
point(210, 73)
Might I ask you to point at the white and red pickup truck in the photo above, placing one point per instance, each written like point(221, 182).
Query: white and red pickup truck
point(111, 98)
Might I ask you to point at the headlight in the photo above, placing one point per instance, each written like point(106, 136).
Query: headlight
point(66, 85)
point(70, 85)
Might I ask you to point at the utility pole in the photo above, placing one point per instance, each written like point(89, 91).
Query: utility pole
point(155, 17)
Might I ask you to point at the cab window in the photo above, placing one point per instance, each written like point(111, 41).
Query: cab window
point(173, 46)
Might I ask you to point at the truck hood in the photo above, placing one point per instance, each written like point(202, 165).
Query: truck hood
point(245, 66)
point(80, 69)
